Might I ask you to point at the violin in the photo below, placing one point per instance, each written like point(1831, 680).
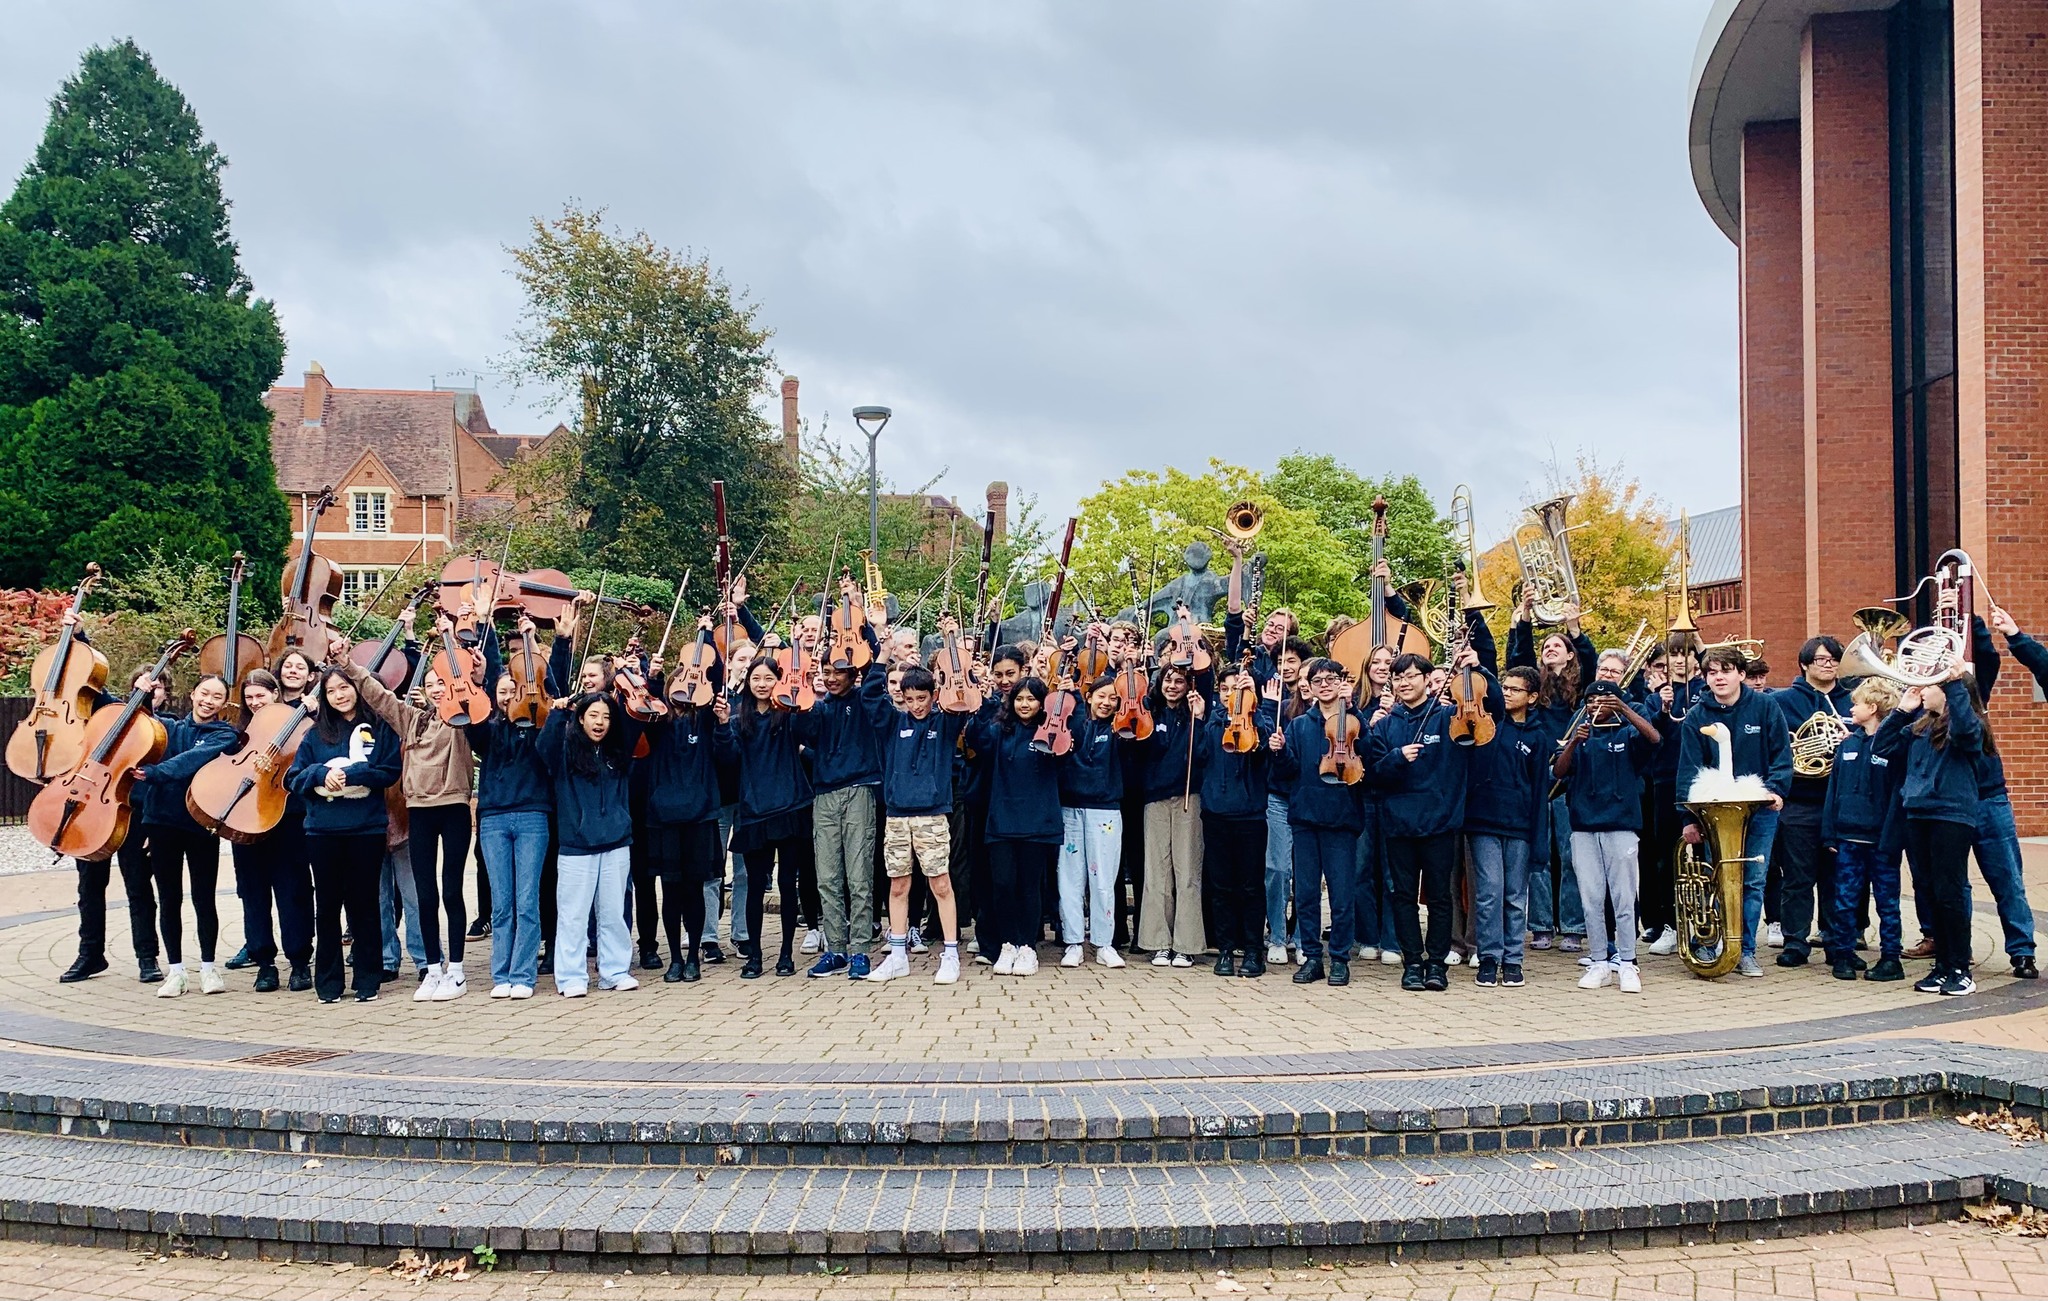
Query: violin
point(69, 675)
point(462, 700)
point(631, 686)
point(1185, 646)
point(382, 659)
point(1340, 763)
point(529, 672)
point(849, 649)
point(1133, 720)
point(956, 688)
point(85, 814)
point(241, 796)
point(1055, 734)
point(1241, 696)
point(233, 654)
point(794, 689)
point(690, 684)
point(310, 592)
point(1092, 660)
point(1471, 722)
point(1353, 647)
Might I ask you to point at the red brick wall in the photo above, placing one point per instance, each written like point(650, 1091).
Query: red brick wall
point(1773, 399)
point(2001, 66)
point(1845, 192)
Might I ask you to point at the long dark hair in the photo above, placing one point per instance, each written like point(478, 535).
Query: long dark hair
point(1557, 686)
point(588, 758)
point(333, 725)
point(1037, 688)
point(749, 714)
point(1935, 726)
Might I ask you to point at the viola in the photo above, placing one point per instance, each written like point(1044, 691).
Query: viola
point(1340, 763)
point(310, 592)
point(639, 702)
point(85, 814)
point(1185, 646)
point(1055, 734)
point(1133, 720)
point(690, 684)
point(70, 676)
point(241, 796)
point(956, 689)
point(849, 649)
point(529, 672)
point(1092, 660)
point(233, 654)
point(1048, 638)
point(382, 659)
point(462, 700)
point(1471, 722)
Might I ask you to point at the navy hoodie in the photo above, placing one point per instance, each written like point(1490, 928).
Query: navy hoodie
point(1092, 773)
point(917, 753)
point(1024, 785)
point(1311, 801)
point(1604, 788)
point(1941, 784)
point(593, 811)
point(1425, 797)
point(763, 751)
point(1757, 737)
point(843, 747)
point(1166, 752)
point(1234, 785)
point(677, 782)
point(164, 783)
point(1860, 788)
point(378, 767)
point(2032, 655)
point(510, 778)
point(1508, 781)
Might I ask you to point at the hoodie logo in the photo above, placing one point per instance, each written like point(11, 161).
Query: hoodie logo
point(1752, 729)
point(907, 732)
point(1432, 738)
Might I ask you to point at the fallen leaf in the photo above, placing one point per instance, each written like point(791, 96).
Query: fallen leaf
point(313, 1164)
point(1229, 1285)
point(1425, 1180)
point(1543, 1165)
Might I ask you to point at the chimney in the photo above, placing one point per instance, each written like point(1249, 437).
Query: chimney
point(999, 507)
point(789, 426)
point(315, 408)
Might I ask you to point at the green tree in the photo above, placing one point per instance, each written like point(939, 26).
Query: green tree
point(1419, 542)
point(133, 354)
point(667, 364)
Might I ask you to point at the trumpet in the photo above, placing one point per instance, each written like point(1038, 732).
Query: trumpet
point(1545, 557)
point(1468, 542)
point(1243, 521)
point(876, 598)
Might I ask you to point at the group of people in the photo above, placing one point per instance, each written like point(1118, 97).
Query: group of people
point(893, 813)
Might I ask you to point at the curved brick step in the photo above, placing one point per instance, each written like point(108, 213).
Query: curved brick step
point(367, 1209)
point(1173, 1121)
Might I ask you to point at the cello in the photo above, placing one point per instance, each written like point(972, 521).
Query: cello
point(233, 654)
point(85, 814)
point(1353, 647)
point(241, 796)
point(70, 676)
point(309, 596)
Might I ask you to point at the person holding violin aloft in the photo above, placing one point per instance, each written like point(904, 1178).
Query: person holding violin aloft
point(1170, 915)
point(1234, 768)
point(1377, 933)
point(1506, 803)
point(344, 764)
point(772, 835)
point(1424, 774)
point(439, 769)
point(1325, 812)
point(1564, 659)
point(177, 843)
point(1091, 793)
point(587, 748)
point(846, 770)
point(272, 870)
point(1603, 763)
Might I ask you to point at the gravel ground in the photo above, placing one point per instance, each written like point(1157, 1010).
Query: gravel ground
point(20, 854)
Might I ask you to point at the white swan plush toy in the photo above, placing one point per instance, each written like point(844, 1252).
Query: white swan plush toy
point(361, 743)
point(1719, 784)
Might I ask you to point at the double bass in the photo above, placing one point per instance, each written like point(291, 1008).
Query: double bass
point(233, 654)
point(70, 676)
point(1353, 648)
point(85, 814)
point(310, 591)
point(241, 796)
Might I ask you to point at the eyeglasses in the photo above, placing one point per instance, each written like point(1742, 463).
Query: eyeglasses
point(1411, 675)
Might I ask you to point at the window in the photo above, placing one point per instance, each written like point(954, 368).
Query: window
point(361, 585)
point(369, 511)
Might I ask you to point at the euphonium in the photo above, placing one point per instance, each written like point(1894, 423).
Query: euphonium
point(1468, 542)
point(1546, 560)
point(1709, 887)
point(1243, 521)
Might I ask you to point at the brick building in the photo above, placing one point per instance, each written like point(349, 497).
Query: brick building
point(1882, 168)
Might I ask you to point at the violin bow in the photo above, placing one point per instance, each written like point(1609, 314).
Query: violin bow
point(590, 639)
point(681, 587)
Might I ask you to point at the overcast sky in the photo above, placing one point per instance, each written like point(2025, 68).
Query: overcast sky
point(1061, 239)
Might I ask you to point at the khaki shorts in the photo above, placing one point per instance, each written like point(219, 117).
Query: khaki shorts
point(926, 840)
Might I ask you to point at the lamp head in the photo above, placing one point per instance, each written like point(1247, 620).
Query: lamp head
point(871, 419)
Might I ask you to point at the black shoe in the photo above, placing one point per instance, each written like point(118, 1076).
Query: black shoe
point(1511, 975)
point(1886, 969)
point(1792, 958)
point(1253, 966)
point(1489, 972)
point(420, 977)
point(547, 958)
point(241, 961)
point(692, 973)
point(2022, 967)
point(366, 996)
point(752, 971)
point(1857, 962)
point(1226, 963)
point(302, 979)
point(674, 975)
point(1308, 973)
point(1437, 978)
point(785, 967)
point(1957, 983)
point(713, 954)
point(1844, 970)
point(266, 979)
point(478, 929)
point(650, 960)
point(1930, 983)
point(147, 971)
point(1411, 978)
point(1340, 971)
point(390, 975)
point(84, 968)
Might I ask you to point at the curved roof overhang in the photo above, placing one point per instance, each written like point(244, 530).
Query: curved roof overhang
point(1746, 70)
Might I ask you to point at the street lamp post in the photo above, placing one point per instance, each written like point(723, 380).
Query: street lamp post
point(871, 421)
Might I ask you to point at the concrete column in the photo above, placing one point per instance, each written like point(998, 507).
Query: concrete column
point(1773, 389)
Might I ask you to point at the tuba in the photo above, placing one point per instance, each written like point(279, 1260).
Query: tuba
point(1709, 888)
point(1545, 556)
point(1243, 521)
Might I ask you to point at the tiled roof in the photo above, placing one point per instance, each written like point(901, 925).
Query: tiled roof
point(413, 433)
point(1716, 537)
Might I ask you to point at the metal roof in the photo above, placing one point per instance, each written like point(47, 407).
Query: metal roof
point(1716, 537)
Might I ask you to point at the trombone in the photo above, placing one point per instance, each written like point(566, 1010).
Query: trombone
point(1682, 639)
point(1468, 543)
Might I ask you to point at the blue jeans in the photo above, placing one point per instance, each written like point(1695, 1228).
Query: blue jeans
point(1324, 856)
point(1279, 868)
point(584, 881)
point(1373, 901)
point(398, 873)
point(1858, 863)
point(1500, 896)
point(1554, 905)
point(514, 846)
point(713, 889)
point(1998, 859)
point(1763, 829)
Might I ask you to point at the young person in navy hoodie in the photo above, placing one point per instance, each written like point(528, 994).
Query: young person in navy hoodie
point(1091, 811)
point(846, 773)
point(1024, 824)
point(587, 747)
point(176, 842)
point(1505, 806)
point(1804, 868)
point(1940, 798)
point(773, 832)
point(1603, 762)
point(1234, 835)
point(1860, 794)
point(271, 878)
point(1170, 910)
point(675, 835)
point(344, 765)
point(1325, 817)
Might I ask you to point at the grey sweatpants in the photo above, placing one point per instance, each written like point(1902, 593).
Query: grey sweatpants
point(843, 836)
point(1605, 862)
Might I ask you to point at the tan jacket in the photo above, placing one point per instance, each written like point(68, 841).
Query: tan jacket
point(439, 764)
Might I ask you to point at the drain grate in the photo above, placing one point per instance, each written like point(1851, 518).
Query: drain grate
point(290, 1057)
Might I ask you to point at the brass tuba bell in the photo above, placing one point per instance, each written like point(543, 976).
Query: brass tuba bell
point(1243, 521)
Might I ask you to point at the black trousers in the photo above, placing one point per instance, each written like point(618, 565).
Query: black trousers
point(483, 878)
point(271, 871)
point(967, 868)
point(1941, 853)
point(173, 851)
point(346, 873)
point(786, 860)
point(1016, 875)
point(1234, 881)
point(1425, 862)
point(133, 858)
point(439, 842)
point(1804, 865)
point(1657, 903)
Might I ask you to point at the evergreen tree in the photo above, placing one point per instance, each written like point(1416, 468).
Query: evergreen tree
point(133, 354)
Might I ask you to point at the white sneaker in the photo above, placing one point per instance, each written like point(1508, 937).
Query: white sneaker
point(813, 941)
point(1006, 962)
point(1109, 957)
point(424, 991)
point(1276, 955)
point(1182, 960)
point(1774, 935)
point(1300, 958)
point(1454, 958)
point(1027, 962)
point(521, 991)
point(621, 984)
point(889, 968)
point(174, 985)
point(1162, 959)
point(917, 944)
point(1596, 975)
point(1367, 952)
point(453, 984)
point(501, 991)
point(949, 968)
point(1072, 957)
point(1631, 977)
point(211, 981)
point(1390, 957)
point(973, 946)
point(572, 991)
point(1666, 942)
